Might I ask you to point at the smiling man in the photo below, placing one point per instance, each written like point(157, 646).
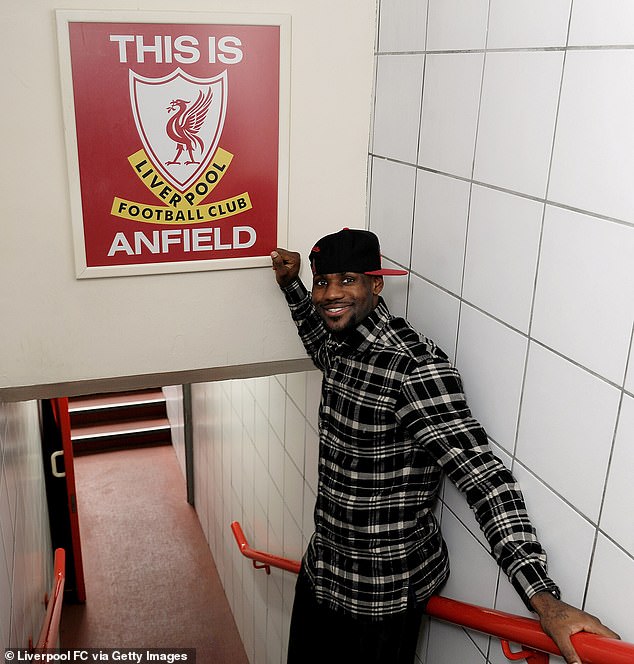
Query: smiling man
point(343, 298)
point(393, 419)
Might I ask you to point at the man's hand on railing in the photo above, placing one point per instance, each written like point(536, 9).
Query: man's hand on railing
point(561, 621)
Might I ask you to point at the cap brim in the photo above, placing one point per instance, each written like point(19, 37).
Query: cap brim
point(387, 272)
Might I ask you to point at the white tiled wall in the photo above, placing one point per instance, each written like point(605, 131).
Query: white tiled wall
point(501, 170)
point(255, 460)
point(174, 405)
point(522, 227)
point(26, 558)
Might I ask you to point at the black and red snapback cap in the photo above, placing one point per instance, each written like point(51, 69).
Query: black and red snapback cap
point(349, 250)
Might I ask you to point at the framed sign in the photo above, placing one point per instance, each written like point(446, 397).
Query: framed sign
point(177, 139)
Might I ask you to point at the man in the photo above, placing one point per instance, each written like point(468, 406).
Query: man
point(393, 418)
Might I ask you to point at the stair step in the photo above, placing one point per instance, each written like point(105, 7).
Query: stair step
point(123, 406)
point(114, 399)
point(102, 422)
point(119, 435)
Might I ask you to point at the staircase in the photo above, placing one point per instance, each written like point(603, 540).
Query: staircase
point(104, 422)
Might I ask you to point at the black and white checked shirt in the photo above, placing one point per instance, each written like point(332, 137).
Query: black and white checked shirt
point(393, 418)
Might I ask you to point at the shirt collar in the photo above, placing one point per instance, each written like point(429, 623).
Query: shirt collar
point(367, 331)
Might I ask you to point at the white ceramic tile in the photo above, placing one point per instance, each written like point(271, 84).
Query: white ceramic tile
point(260, 535)
point(262, 393)
point(440, 224)
point(501, 260)
point(434, 313)
point(451, 97)
point(509, 601)
point(402, 25)
point(296, 388)
point(11, 459)
point(566, 428)
point(593, 159)
point(584, 287)
point(288, 591)
point(294, 436)
point(6, 519)
point(275, 519)
point(248, 487)
point(276, 460)
point(517, 119)
point(236, 389)
point(293, 543)
point(397, 104)
point(311, 457)
point(491, 361)
point(293, 490)
point(565, 535)
point(473, 570)
point(260, 591)
point(274, 626)
point(277, 407)
point(237, 468)
point(395, 290)
point(604, 22)
point(629, 377)
point(248, 634)
point(259, 641)
point(617, 521)
point(456, 503)
point(392, 208)
point(261, 484)
point(456, 25)
point(226, 469)
point(528, 23)
point(5, 605)
point(313, 396)
point(261, 434)
point(237, 605)
point(308, 521)
point(611, 588)
point(449, 644)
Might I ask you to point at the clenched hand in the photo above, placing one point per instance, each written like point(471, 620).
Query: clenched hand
point(561, 621)
point(286, 266)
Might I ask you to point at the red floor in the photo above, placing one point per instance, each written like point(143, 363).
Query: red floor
point(150, 578)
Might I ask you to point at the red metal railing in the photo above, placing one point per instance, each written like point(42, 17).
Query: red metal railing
point(509, 628)
point(49, 634)
point(262, 560)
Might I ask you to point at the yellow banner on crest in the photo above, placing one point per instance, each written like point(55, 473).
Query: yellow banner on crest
point(166, 193)
point(197, 214)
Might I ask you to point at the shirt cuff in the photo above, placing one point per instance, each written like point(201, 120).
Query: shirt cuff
point(295, 292)
point(531, 579)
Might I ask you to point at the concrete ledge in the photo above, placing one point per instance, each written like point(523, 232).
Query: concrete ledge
point(122, 383)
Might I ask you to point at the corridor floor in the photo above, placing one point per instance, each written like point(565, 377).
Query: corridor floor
point(150, 578)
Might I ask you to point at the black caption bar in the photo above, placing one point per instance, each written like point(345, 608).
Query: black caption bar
point(127, 655)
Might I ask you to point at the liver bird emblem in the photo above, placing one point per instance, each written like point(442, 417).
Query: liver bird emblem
point(179, 119)
point(184, 125)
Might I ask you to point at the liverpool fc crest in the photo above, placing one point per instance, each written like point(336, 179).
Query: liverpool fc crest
point(179, 119)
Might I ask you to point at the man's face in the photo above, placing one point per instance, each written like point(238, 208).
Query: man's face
point(344, 299)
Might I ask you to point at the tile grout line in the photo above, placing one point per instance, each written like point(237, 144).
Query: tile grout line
point(520, 194)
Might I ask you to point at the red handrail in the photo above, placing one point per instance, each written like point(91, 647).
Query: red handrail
point(49, 633)
point(507, 627)
point(256, 556)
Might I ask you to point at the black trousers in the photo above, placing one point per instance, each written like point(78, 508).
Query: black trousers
point(319, 635)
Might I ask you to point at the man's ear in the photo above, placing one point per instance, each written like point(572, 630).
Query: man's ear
point(377, 285)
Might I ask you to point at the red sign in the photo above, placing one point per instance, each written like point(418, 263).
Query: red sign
point(177, 129)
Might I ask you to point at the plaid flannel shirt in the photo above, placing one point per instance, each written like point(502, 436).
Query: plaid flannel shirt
point(393, 418)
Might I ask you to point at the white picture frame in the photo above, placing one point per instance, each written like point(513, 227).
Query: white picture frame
point(87, 269)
